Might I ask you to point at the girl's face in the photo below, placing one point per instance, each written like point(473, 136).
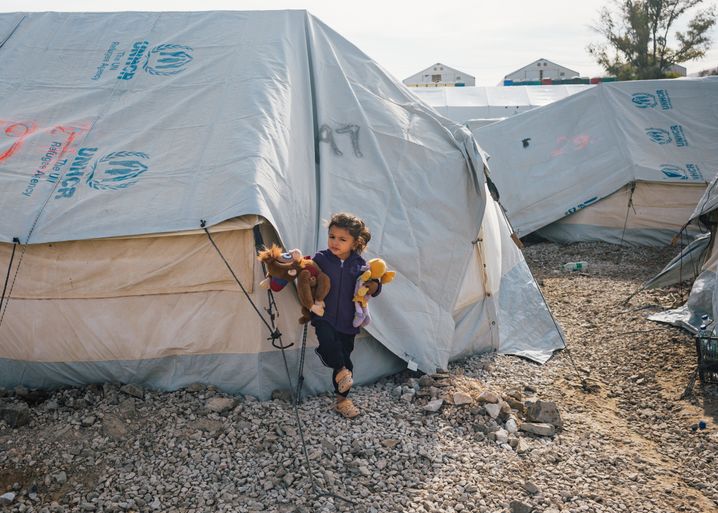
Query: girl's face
point(341, 242)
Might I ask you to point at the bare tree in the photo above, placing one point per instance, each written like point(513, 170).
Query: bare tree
point(637, 34)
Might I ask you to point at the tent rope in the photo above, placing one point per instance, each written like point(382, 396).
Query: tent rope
point(276, 338)
point(15, 242)
point(629, 206)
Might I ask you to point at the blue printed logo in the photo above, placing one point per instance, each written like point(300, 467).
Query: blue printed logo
point(138, 50)
point(644, 100)
point(117, 170)
point(580, 206)
point(659, 135)
point(649, 101)
point(167, 59)
point(673, 172)
point(679, 135)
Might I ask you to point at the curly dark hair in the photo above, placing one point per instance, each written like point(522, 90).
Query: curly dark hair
point(355, 226)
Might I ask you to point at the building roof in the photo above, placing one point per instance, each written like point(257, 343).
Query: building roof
point(537, 60)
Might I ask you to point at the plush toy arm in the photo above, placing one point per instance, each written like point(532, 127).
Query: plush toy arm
point(388, 276)
point(304, 290)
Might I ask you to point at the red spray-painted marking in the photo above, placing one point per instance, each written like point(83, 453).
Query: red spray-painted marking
point(71, 132)
point(579, 142)
point(19, 131)
point(22, 130)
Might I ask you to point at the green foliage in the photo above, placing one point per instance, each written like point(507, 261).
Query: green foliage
point(637, 33)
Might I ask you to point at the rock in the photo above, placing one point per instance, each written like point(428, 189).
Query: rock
point(396, 391)
point(515, 404)
point(7, 498)
point(487, 396)
point(461, 398)
point(493, 409)
point(114, 427)
point(220, 404)
point(544, 412)
point(426, 381)
point(60, 477)
point(196, 387)
point(502, 436)
point(538, 428)
point(433, 406)
point(88, 421)
point(127, 408)
point(512, 426)
point(519, 507)
point(133, 390)
point(15, 414)
point(408, 397)
point(282, 395)
point(522, 446)
point(531, 488)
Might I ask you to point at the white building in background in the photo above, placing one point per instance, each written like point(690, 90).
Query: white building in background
point(440, 75)
point(681, 71)
point(541, 69)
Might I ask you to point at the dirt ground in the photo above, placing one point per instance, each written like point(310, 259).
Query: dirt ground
point(638, 370)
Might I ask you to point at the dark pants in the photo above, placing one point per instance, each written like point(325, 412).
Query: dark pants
point(334, 350)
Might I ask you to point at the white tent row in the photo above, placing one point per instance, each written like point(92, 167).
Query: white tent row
point(651, 144)
point(123, 132)
point(474, 105)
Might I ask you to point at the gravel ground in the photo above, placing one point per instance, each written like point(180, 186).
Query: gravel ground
point(625, 440)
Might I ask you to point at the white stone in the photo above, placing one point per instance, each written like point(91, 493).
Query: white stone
point(7, 498)
point(493, 409)
point(502, 436)
point(433, 406)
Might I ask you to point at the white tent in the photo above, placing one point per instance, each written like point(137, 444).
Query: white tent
point(622, 161)
point(473, 105)
point(121, 132)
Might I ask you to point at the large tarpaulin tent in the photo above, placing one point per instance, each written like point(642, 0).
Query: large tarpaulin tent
point(471, 105)
point(121, 132)
point(622, 161)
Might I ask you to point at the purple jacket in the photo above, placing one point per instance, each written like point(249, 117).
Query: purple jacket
point(339, 309)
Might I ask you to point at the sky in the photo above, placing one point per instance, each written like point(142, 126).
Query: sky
point(486, 39)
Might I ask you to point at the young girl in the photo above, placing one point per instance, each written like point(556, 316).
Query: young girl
point(341, 261)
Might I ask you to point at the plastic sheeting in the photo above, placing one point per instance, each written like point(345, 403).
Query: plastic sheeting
point(125, 124)
point(463, 104)
point(703, 298)
point(562, 158)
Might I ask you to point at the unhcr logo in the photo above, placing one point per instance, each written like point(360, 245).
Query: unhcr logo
point(644, 100)
point(117, 170)
point(114, 171)
point(649, 101)
point(673, 172)
point(167, 59)
point(659, 135)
